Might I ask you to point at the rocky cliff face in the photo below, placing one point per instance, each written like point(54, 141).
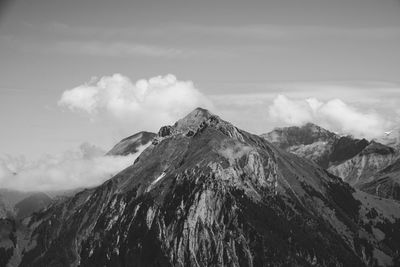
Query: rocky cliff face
point(6, 210)
point(206, 193)
point(7, 241)
point(386, 183)
point(14, 206)
point(362, 167)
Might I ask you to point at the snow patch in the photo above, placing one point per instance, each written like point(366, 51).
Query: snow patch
point(112, 222)
point(162, 175)
point(158, 178)
point(150, 217)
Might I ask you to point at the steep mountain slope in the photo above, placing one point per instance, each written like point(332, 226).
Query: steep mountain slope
point(362, 167)
point(7, 240)
point(132, 144)
point(385, 183)
point(31, 204)
point(6, 210)
point(8, 199)
point(11, 230)
point(13, 196)
point(205, 193)
point(354, 160)
point(18, 204)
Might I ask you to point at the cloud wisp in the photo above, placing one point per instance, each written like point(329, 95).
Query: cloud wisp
point(85, 167)
point(334, 115)
point(147, 104)
point(115, 49)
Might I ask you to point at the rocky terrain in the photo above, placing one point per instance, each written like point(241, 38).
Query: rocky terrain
point(132, 144)
point(363, 167)
point(7, 241)
point(205, 193)
point(356, 161)
point(386, 183)
point(15, 206)
point(6, 210)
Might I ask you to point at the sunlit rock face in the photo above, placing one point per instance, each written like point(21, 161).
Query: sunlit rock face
point(386, 183)
point(362, 167)
point(206, 193)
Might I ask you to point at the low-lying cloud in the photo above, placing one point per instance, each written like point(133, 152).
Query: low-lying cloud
point(147, 104)
point(334, 115)
point(85, 167)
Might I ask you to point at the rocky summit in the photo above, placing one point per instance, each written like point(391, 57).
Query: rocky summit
point(205, 193)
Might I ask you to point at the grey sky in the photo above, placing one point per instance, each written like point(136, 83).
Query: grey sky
point(347, 49)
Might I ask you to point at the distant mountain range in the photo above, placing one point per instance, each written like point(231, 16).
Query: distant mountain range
point(356, 161)
point(17, 204)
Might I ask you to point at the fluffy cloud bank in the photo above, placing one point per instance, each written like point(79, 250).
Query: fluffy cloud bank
point(334, 115)
point(85, 167)
point(145, 103)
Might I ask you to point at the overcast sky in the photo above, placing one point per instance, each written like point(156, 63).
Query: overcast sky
point(255, 63)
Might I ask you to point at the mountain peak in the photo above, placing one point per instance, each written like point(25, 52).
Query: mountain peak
point(299, 135)
point(193, 119)
point(314, 127)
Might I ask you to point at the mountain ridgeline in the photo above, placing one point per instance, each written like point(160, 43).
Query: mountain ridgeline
point(356, 161)
point(205, 193)
point(132, 144)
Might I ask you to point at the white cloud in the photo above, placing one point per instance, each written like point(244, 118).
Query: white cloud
point(289, 111)
point(333, 114)
point(147, 104)
point(85, 167)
